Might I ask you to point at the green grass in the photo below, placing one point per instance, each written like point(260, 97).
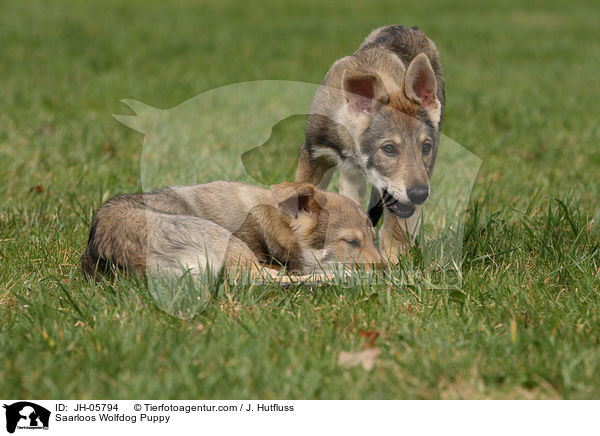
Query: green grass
point(523, 92)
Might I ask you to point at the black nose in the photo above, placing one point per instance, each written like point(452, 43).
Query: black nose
point(418, 194)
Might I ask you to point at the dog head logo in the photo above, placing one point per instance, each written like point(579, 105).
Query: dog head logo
point(26, 415)
point(251, 132)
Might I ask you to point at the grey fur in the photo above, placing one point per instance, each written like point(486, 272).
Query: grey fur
point(225, 224)
point(385, 97)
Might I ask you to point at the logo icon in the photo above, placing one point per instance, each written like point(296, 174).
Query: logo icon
point(26, 415)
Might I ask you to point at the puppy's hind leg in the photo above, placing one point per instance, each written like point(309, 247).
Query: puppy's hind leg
point(180, 243)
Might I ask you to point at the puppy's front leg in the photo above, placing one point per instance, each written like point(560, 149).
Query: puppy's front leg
point(397, 235)
point(313, 169)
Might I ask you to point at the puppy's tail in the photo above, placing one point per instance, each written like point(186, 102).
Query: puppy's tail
point(92, 264)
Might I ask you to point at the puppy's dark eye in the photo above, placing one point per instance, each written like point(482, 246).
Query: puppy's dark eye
point(389, 149)
point(352, 242)
point(426, 147)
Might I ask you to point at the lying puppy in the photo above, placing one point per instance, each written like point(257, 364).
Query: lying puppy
point(231, 225)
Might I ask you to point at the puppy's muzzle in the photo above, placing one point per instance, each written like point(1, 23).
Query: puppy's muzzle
point(399, 209)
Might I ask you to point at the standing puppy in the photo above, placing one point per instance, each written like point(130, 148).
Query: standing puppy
point(377, 116)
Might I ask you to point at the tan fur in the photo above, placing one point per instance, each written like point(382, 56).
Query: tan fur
point(231, 225)
point(397, 235)
point(391, 90)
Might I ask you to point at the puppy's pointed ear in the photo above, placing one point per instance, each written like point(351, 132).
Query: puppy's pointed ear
point(420, 86)
point(363, 91)
point(296, 198)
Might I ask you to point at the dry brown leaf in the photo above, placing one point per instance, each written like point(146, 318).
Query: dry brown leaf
point(371, 336)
